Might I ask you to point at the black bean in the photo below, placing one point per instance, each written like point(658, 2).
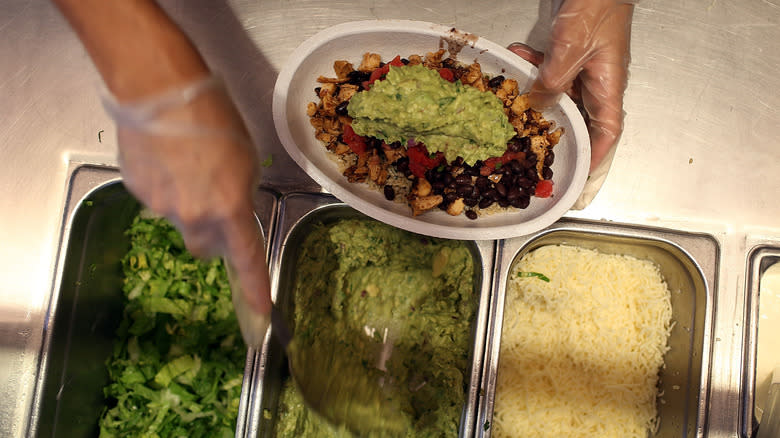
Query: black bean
point(525, 143)
point(515, 166)
point(471, 202)
point(501, 189)
point(503, 203)
point(447, 179)
point(508, 180)
point(433, 176)
point(405, 61)
point(529, 163)
point(464, 190)
point(547, 173)
point(496, 81)
point(389, 193)
point(524, 182)
point(490, 194)
point(402, 164)
point(521, 202)
point(549, 158)
point(458, 162)
point(356, 77)
point(341, 109)
point(485, 202)
point(482, 183)
point(317, 90)
point(437, 186)
point(471, 214)
point(531, 174)
point(463, 179)
point(376, 143)
point(512, 194)
point(514, 144)
point(450, 197)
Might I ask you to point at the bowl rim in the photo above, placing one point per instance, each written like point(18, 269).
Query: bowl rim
point(470, 230)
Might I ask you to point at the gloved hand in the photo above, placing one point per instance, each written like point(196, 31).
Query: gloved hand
point(588, 58)
point(186, 154)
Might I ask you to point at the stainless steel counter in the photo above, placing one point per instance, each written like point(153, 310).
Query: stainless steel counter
point(699, 152)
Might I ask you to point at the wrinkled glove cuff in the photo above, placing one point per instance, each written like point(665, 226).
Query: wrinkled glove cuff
point(143, 114)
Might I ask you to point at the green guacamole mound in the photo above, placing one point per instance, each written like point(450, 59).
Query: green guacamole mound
point(357, 273)
point(414, 102)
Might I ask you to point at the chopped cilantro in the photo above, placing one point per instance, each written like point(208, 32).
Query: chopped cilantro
point(533, 274)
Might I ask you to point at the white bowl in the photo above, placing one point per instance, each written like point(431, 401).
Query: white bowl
point(349, 41)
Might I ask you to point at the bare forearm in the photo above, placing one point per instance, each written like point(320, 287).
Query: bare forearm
point(135, 46)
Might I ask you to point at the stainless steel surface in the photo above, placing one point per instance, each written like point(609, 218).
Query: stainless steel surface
point(298, 211)
point(87, 304)
point(698, 153)
point(760, 259)
point(688, 263)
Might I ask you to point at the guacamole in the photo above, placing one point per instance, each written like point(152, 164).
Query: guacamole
point(414, 102)
point(356, 278)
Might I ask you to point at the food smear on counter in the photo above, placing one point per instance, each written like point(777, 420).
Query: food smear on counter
point(361, 285)
point(580, 354)
point(435, 133)
point(178, 359)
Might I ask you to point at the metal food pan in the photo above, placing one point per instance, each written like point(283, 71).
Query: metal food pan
point(297, 213)
point(687, 261)
point(759, 260)
point(87, 304)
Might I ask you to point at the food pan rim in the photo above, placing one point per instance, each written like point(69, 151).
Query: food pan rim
point(320, 201)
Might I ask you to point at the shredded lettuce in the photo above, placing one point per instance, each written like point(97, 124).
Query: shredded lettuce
point(178, 360)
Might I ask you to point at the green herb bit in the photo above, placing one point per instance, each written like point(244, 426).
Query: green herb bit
point(268, 161)
point(534, 274)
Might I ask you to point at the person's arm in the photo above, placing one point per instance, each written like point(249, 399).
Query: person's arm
point(184, 150)
point(135, 46)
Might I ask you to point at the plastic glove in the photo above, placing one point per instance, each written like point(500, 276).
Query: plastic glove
point(588, 58)
point(186, 155)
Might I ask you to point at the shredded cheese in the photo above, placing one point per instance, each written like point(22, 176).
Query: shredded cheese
point(580, 354)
